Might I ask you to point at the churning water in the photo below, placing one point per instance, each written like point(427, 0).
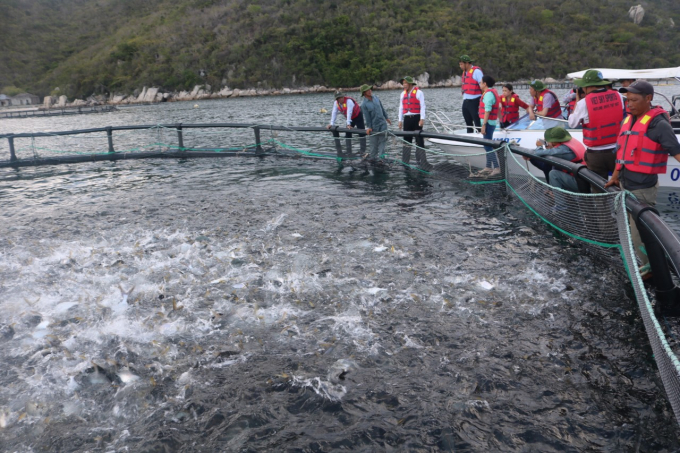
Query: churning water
point(277, 305)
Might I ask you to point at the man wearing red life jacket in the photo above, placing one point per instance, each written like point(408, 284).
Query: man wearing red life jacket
point(560, 143)
point(600, 112)
point(543, 101)
point(510, 105)
point(411, 118)
point(644, 142)
point(472, 76)
point(355, 119)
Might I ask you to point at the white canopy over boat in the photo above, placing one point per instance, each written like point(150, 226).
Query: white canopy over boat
point(617, 74)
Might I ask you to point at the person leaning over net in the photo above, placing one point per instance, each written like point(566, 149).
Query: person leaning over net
point(352, 112)
point(644, 142)
point(559, 143)
point(376, 121)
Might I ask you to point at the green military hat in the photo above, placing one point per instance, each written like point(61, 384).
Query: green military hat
point(365, 87)
point(339, 94)
point(537, 85)
point(408, 79)
point(591, 78)
point(557, 134)
point(465, 59)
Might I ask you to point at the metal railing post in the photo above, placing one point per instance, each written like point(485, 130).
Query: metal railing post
point(12, 154)
point(109, 136)
point(180, 139)
point(258, 148)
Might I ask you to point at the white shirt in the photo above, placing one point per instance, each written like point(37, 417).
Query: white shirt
point(420, 96)
point(580, 116)
point(336, 109)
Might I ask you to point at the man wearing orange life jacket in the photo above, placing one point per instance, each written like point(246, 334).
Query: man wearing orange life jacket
point(644, 142)
point(355, 119)
point(510, 105)
point(543, 101)
point(559, 143)
point(472, 76)
point(411, 118)
point(600, 112)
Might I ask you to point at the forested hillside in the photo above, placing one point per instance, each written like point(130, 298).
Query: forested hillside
point(100, 46)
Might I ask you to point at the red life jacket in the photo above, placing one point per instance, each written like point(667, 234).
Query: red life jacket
point(578, 149)
point(410, 102)
point(510, 108)
point(637, 151)
point(605, 113)
point(555, 110)
point(342, 106)
point(493, 115)
point(571, 105)
point(470, 85)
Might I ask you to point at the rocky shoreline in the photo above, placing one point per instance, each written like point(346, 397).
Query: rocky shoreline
point(155, 95)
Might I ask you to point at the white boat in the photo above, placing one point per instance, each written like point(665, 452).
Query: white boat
point(526, 132)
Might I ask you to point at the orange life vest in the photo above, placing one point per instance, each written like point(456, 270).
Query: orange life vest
point(638, 152)
point(410, 102)
point(493, 115)
point(555, 110)
point(605, 113)
point(470, 85)
point(342, 106)
point(510, 108)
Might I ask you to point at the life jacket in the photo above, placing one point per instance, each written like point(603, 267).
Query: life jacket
point(578, 149)
point(638, 152)
point(571, 105)
point(410, 102)
point(470, 85)
point(510, 108)
point(555, 110)
point(493, 115)
point(605, 113)
point(342, 106)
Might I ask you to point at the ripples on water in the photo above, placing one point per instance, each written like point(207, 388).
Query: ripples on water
point(276, 306)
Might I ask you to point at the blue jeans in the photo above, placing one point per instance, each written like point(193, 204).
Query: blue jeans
point(491, 159)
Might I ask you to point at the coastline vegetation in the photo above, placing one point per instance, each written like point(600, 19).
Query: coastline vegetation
point(87, 47)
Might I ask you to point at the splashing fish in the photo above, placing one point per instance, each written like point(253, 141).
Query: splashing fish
point(125, 294)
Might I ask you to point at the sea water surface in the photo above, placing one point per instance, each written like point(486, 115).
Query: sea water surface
point(229, 304)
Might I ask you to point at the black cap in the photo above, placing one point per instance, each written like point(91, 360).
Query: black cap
point(638, 87)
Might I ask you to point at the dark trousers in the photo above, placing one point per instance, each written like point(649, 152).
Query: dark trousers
point(471, 113)
point(546, 167)
point(601, 163)
point(411, 123)
point(357, 123)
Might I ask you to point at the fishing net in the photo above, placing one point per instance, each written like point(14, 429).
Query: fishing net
point(599, 221)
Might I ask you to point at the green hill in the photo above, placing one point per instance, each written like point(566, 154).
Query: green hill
point(99, 46)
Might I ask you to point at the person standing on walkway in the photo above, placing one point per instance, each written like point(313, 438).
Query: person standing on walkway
point(488, 111)
point(543, 101)
point(645, 141)
point(472, 93)
point(376, 121)
point(510, 105)
point(600, 112)
point(412, 118)
point(354, 119)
